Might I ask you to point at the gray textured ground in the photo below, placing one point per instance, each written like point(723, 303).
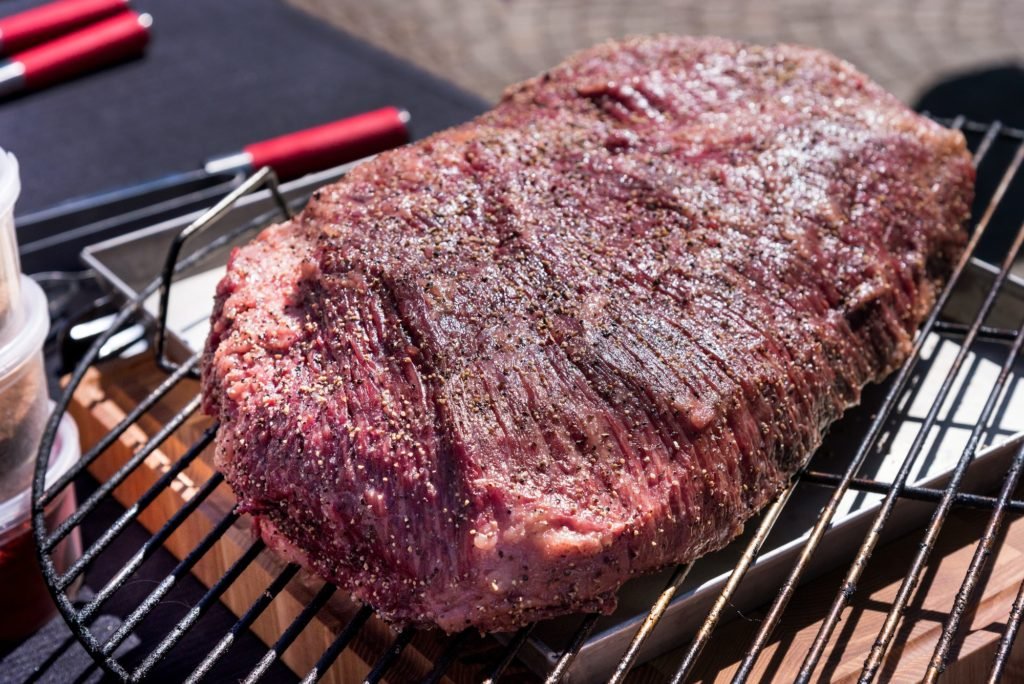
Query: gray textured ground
point(485, 44)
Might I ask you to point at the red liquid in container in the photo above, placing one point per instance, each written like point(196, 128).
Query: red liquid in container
point(25, 602)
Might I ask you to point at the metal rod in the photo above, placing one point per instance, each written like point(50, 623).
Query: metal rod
point(243, 623)
point(573, 649)
point(338, 645)
point(195, 612)
point(111, 533)
point(509, 654)
point(264, 176)
point(1010, 131)
point(875, 429)
point(290, 634)
point(978, 562)
point(649, 623)
point(735, 577)
point(1005, 647)
point(927, 494)
point(110, 437)
point(40, 495)
point(992, 131)
point(149, 547)
point(168, 583)
point(985, 332)
point(389, 657)
point(909, 584)
point(118, 477)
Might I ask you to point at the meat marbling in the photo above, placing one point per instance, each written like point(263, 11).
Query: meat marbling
point(489, 377)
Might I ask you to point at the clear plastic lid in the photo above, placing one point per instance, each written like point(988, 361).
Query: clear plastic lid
point(31, 325)
point(65, 453)
point(23, 389)
point(10, 182)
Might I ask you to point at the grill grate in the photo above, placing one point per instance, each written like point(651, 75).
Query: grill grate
point(999, 507)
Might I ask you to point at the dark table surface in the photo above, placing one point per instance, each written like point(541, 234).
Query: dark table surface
point(218, 74)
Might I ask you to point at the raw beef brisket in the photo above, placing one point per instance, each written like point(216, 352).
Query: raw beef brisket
point(487, 378)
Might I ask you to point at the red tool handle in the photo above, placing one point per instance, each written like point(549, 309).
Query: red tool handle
point(314, 149)
point(99, 44)
point(31, 27)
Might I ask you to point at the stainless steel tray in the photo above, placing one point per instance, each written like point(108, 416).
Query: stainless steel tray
point(129, 262)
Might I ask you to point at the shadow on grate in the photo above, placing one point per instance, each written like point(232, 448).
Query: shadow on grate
point(978, 334)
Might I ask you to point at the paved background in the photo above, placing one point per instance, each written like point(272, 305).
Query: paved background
point(484, 45)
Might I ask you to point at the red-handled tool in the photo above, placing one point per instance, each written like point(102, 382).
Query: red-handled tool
point(23, 30)
point(291, 155)
point(109, 40)
point(322, 147)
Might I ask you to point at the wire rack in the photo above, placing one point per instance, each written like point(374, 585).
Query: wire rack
point(998, 154)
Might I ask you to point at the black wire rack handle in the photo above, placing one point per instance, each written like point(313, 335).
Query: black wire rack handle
point(264, 178)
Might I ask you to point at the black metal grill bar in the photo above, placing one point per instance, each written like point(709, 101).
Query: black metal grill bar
point(1000, 129)
point(1005, 647)
point(254, 611)
point(849, 584)
point(984, 333)
point(118, 477)
point(195, 612)
point(181, 569)
point(997, 197)
point(447, 657)
point(750, 553)
point(876, 428)
point(149, 547)
point(978, 562)
point(649, 623)
point(927, 494)
point(338, 645)
point(40, 496)
point(509, 654)
point(389, 657)
point(158, 487)
point(561, 668)
point(913, 577)
point(289, 635)
point(109, 438)
point(992, 131)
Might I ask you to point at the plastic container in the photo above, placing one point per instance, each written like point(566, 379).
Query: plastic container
point(23, 393)
point(25, 602)
point(10, 265)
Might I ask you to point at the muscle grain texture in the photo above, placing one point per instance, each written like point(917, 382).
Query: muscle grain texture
point(489, 377)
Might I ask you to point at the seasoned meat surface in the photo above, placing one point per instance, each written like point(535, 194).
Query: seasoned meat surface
point(488, 377)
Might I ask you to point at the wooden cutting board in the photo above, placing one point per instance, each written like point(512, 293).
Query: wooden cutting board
point(109, 391)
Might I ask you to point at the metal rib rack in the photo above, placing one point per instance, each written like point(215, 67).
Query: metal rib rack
point(999, 178)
